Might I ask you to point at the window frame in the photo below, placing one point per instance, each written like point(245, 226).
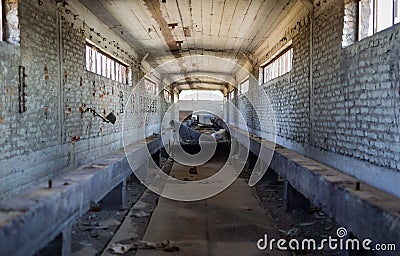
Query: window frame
point(241, 91)
point(231, 95)
point(167, 95)
point(374, 13)
point(1, 21)
point(153, 84)
point(282, 66)
point(104, 64)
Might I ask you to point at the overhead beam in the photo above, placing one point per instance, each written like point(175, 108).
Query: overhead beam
point(199, 72)
point(199, 82)
point(144, 57)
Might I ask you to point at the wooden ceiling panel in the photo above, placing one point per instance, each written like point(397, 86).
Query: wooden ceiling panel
point(222, 28)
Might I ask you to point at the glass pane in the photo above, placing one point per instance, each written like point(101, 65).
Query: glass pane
point(123, 72)
point(291, 59)
point(87, 57)
point(117, 71)
point(365, 19)
point(112, 70)
point(103, 65)
point(98, 63)
point(129, 71)
point(92, 60)
point(108, 73)
point(384, 14)
point(265, 74)
point(396, 11)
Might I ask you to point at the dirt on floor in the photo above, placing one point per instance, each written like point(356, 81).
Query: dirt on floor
point(297, 224)
point(95, 228)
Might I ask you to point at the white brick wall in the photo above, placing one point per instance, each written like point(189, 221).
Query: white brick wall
point(34, 145)
point(352, 108)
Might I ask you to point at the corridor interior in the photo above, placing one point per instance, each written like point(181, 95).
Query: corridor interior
point(228, 223)
point(199, 127)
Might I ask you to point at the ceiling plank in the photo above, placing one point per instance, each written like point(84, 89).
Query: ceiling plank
point(222, 28)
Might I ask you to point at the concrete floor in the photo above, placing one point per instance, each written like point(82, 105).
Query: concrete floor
point(229, 223)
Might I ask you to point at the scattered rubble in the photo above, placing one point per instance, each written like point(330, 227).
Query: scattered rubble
point(95, 228)
point(297, 224)
point(166, 245)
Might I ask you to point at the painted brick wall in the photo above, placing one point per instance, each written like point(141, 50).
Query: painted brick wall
point(9, 120)
point(328, 100)
point(39, 51)
point(371, 97)
point(245, 109)
point(290, 93)
point(39, 143)
point(347, 115)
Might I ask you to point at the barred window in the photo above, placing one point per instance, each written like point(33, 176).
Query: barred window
point(167, 96)
point(280, 65)
point(105, 65)
point(150, 86)
point(244, 87)
point(231, 95)
point(377, 15)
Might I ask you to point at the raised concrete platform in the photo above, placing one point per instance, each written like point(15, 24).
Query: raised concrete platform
point(32, 219)
point(365, 211)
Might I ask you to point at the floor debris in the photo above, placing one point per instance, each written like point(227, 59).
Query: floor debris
point(306, 224)
point(290, 233)
point(166, 245)
point(93, 231)
point(193, 170)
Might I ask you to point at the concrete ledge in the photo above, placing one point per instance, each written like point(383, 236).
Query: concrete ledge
point(32, 219)
point(366, 212)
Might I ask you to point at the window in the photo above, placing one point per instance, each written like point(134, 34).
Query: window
point(9, 22)
point(231, 95)
point(279, 66)
point(167, 96)
point(376, 15)
point(195, 94)
point(244, 87)
point(103, 64)
point(1, 20)
point(150, 86)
